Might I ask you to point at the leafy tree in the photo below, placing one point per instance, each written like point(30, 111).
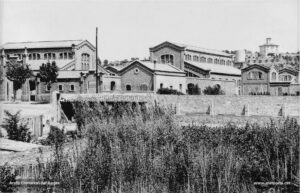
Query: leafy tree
point(48, 73)
point(6, 177)
point(16, 130)
point(169, 91)
point(17, 73)
point(215, 90)
point(105, 62)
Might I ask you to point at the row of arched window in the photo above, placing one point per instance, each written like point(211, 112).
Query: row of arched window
point(167, 59)
point(50, 56)
point(255, 75)
point(208, 60)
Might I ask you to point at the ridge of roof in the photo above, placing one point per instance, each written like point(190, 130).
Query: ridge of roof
point(197, 48)
point(42, 41)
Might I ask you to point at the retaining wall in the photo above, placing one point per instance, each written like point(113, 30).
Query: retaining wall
point(233, 105)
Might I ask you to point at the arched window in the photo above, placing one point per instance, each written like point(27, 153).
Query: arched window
point(188, 57)
point(255, 75)
point(209, 60)
point(202, 59)
point(216, 61)
point(167, 59)
point(65, 56)
point(70, 55)
point(30, 57)
point(61, 56)
point(49, 56)
point(53, 56)
point(196, 58)
point(222, 62)
point(273, 76)
point(112, 85)
point(45, 56)
point(228, 62)
point(34, 56)
point(161, 85)
point(38, 56)
point(85, 59)
point(128, 87)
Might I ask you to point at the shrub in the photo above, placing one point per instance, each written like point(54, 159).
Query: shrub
point(193, 89)
point(6, 177)
point(215, 90)
point(169, 91)
point(16, 130)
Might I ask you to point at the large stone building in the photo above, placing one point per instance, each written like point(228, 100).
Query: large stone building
point(76, 60)
point(203, 67)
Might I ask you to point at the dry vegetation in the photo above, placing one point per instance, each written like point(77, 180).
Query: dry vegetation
point(131, 148)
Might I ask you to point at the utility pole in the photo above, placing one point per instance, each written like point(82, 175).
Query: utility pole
point(97, 78)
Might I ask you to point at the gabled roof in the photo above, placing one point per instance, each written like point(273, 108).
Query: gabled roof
point(216, 68)
point(180, 46)
point(41, 44)
point(35, 64)
point(264, 68)
point(290, 71)
point(159, 67)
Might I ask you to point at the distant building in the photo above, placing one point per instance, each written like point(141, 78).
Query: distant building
point(258, 79)
point(268, 48)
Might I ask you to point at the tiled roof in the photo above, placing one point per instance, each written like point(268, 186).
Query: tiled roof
point(216, 68)
point(70, 74)
point(41, 44)
point(160, 66)
point(204, 50)
point(35, 64)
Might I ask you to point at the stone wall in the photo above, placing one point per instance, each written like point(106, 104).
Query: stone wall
point(228, 86)
point(233, 105)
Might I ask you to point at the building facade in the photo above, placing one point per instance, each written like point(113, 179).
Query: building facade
point(146, 76)
point(203, 67)
point(76, 60)
point(259, 79)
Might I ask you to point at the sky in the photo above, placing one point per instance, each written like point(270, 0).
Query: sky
point(128, 28)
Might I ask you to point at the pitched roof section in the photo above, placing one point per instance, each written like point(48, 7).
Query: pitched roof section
point(41, 44)
point(35, 64)
point(265, 68)
point(216, 68)
point(190, 48)
point(159, 67)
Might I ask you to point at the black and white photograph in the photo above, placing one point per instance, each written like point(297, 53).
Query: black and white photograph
point(149, 96)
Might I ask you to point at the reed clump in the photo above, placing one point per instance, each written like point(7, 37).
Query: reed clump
point(134, 148)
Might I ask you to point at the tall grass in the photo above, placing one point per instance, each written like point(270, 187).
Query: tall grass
point(134, 148)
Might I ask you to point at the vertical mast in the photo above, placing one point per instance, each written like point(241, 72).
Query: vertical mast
point(97, 80)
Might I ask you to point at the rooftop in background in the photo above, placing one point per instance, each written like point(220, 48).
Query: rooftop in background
point(268, 43)
point(156, 67)
point(204, 50)
point(214, 68)
point(41, 44)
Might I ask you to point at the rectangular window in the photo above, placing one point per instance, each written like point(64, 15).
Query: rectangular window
point(72, 87)
point(180, 87)
point(60, 87)
point(47, 88)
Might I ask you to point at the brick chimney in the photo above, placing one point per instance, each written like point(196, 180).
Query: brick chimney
point(154, 67)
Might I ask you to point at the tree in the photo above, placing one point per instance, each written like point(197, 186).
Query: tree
point(48, 73)
point(105, 62)
point(17, 73)
point(16, 130)
point(215, 90)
